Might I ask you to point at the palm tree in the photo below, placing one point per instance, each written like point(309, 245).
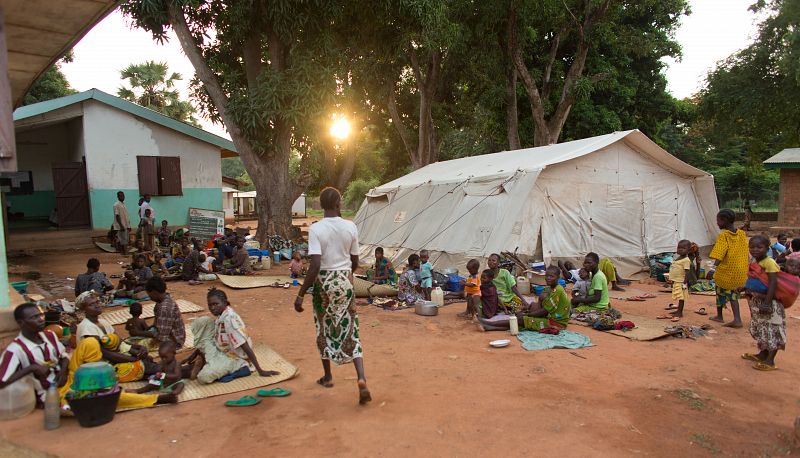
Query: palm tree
point(151, 88)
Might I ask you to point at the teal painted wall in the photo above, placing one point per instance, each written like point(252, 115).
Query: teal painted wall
point(40, 203)
point(174, 209)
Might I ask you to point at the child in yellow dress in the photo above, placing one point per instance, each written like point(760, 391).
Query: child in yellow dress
point(677, 275)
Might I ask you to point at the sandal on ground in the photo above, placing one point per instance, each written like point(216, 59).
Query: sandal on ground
point(702, 311)
point(675, 319)
point(327, 383)
point(273, 393)
point(244, 401)
point(761, 366)
point(671, 307)
point(635, 299)
point(751, 357)
point(647, 296)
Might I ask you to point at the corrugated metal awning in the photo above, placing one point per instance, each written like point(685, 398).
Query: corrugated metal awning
point(39, 32)
point(788, 158)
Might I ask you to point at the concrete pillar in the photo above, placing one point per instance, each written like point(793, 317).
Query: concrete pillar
point(7, 151)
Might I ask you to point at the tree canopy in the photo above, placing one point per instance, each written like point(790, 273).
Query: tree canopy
point(150, 85)
point(51, 85)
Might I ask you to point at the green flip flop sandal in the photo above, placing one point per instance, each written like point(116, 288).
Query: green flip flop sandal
point(274, 393)
point(244, 401)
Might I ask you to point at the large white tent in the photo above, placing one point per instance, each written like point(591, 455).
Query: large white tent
point(620, 195)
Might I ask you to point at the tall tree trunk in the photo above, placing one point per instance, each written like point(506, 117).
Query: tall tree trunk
point(275, 190)
point(512, 115)
point(347, 164)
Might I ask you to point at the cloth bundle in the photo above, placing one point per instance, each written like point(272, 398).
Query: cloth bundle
point(788, 285)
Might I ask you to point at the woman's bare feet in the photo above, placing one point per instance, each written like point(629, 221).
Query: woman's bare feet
point(363, 393)
point(733, 324)
point(197, 366)
point(326, 381)
point(718, 319)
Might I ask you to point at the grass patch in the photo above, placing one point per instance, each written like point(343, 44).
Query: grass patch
point(705, 441)
point(691, 398)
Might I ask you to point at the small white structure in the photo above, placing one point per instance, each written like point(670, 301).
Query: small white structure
point(75, 152)
point(245, 205)
point(619, 195)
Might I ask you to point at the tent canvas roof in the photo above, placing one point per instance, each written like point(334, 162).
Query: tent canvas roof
point(532, 159)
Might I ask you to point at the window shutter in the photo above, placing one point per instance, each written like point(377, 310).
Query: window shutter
point(170, 174)
point(148, 175)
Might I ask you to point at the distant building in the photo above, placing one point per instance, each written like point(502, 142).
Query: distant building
point(75, 152)
point(788, 161)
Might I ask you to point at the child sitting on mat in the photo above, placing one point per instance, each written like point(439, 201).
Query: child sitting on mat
point(582, 285)
point(472, 289)
point(169, 378)
point(136, 326)
point(425, 274)
point(296, 267)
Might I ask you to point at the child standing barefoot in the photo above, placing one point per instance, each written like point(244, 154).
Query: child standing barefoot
point(472, 288)
point(425, 274)
point(678, 276)
point(768, 319)
point(730, 255)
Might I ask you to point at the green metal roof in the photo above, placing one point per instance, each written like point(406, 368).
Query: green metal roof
point(124, 105)
point(786, 159)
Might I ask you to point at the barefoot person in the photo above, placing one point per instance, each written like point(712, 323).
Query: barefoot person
point(730, 257)
point(224, 349)
point(333, 247)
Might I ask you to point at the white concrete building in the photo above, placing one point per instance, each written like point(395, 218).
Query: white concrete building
point(74, 153)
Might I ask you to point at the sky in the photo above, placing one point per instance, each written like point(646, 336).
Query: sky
point(714, 30)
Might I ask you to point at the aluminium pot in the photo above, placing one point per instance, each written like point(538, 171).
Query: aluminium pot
point(426, 308)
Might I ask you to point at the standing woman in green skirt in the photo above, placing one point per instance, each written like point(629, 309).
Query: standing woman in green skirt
point(333, 248)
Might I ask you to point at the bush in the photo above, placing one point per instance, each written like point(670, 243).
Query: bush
point(356, 190)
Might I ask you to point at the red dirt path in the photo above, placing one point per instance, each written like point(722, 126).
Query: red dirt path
point(440, 390)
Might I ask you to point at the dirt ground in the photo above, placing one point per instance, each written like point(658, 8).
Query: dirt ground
point(440, 390)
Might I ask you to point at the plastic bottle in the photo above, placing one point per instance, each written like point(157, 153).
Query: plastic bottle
point(513, 326)
point(17, 399)
point(52, 408)
point(437, 296)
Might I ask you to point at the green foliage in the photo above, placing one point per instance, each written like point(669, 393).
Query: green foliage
point(356, 190)
point(150, 86)
point(51, 85)
point(746, 182)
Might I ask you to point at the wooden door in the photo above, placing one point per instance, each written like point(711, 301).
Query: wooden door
point(72, 194)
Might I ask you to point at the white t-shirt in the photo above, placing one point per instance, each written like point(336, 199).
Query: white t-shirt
point(87, 328)
point(146, 206)
point(335, 239)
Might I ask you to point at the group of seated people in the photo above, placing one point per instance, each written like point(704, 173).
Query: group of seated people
point(223, 349)
point(493, 293)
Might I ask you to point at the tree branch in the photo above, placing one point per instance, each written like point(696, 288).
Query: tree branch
point(547, 85)
point(535, 99)
point(398, 122)
point(211, 84)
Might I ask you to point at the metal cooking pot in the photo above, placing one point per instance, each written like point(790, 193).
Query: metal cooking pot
point(426, 308)
point(450, 271)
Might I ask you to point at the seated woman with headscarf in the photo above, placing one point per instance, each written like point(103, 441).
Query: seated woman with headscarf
point(382, 272)
point(510, 298)
point(96, 341)
point(408, 286)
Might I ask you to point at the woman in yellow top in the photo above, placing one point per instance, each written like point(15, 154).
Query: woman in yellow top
point(767, 317)
point(730, 256)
